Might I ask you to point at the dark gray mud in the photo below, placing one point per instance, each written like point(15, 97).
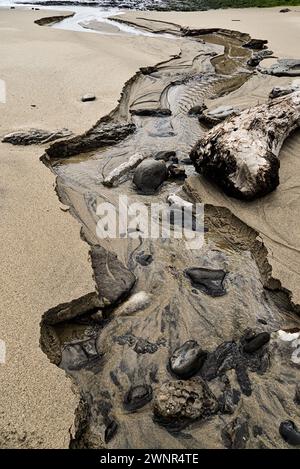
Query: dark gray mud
point(116, 343)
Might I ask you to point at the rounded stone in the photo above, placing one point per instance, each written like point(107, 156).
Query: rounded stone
point(187, 359)
point(149, 175)
point(137, 397)
point(257, 342)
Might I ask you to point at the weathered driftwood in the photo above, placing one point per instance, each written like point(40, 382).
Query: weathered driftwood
point(241, 154)
point(115, 175)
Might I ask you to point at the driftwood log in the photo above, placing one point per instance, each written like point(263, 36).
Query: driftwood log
point(241, 153)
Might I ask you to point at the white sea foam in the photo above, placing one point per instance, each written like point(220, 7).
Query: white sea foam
point(83, 16)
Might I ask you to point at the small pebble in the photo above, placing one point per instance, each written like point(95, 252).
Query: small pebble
point(257, 342)
point(88, 97)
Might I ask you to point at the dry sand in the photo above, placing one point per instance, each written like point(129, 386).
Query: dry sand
point(281, 29)
point(43, 260)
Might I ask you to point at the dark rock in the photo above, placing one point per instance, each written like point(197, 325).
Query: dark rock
point(256, 342)
point(166, 156)
point(149, 175)
point(290, 433)
point(187, 359)
point(243, 378)
point(197, 110)
point(110, 431)
point(283, 91)
point(229, 400)
point(151, 112)
point(176, 172)
point(257, 431)
point(137, 397)
point(262, 321)
point(99, 136)
point(144, 259)
point(220, 360)
point(113, 280)
point(35, 136)
point(257, 57)
point(184, 401)
point(209, 281)
point(81, 354)
point(186, 161)
point(88, 97)
point(257, 44)
point(236, 434)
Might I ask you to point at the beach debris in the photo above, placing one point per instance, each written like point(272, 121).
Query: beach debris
point(209, 281)
point(256, 342)
point(149, 175)
point(290, 433)
point(113, 280)
point(283, 68)
point(187, 359)
point(241, 154)
point(115, 175)
point(137, 397)
point(88, 97)
point(148, 112)
point(217, 115)
point(35, 136)
point(184, 401)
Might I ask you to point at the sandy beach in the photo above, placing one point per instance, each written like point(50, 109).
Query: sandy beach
point(44, 261)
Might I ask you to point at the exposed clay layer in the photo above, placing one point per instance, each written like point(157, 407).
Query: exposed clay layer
point(118, 355)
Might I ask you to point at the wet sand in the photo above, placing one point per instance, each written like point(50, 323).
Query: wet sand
point(37, 404)
point(275, 217)
point(44, 261)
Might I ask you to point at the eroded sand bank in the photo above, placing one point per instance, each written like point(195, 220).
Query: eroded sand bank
point(44, 262)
